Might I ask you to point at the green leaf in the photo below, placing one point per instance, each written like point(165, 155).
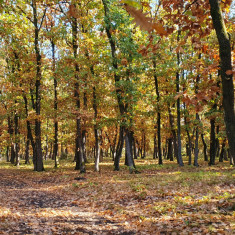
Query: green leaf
point(132, 3)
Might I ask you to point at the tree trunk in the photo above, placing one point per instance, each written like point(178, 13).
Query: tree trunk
point(160, 162)
point(97, 132)
point(221, 157)
point(173, 132)
point(119, 148)
point(226, 76)
point(128, 147)
point(179, 159)
point(212, 143)
point(155, 145)
point(7, 154)
point(117, 78)
point(204, 148)
point(55, 144)
point(197, 124)
point(27, 150)
point(38, 164)
point(17, 157)
point(80, 163)
point(170, 149)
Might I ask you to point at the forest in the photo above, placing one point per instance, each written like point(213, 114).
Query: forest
point(119, 108)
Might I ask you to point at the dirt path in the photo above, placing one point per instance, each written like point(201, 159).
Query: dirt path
point(36, 205)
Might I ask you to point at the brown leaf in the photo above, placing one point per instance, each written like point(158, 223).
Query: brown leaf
point(140, 18)
point(159, 29)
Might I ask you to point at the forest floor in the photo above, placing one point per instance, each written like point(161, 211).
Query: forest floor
point(160, 200)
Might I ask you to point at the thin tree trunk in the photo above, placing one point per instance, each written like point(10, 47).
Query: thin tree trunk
point(55, 144)
point(119, 148)
point(170, 149)
point(179, 159)
point(204, 148)
point(221, 157)
point(7, 154)
point(17, 157)
point(171, 120)
point(160, 162)
point(96, 130)
point(197, 120)
point(212, 143)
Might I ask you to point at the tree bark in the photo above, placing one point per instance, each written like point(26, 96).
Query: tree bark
point(227, 78)
point(38, 164)
point(179, 159)
point(80, 163)
point(212, 143)
point(160, 162)
point(204, 148)
point(55, 145)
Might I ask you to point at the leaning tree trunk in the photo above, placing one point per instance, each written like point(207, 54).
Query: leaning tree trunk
point(226, 73)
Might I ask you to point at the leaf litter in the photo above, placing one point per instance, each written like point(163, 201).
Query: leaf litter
point(160, 200)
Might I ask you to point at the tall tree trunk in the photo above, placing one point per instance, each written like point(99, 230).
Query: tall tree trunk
point(80, 163)
point(55, 145)
point(179, 159)
point(38, 164)
point(117, 78)
point(197, 124)
point(29, 131)
point(160, 162)
point(226, 76)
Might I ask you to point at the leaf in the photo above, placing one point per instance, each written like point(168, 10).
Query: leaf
point(144, 22)
point(124, 61)
point(132, 3)
point(179, 94)
point(140, 18)
point(159, 29)
point(73, 11)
